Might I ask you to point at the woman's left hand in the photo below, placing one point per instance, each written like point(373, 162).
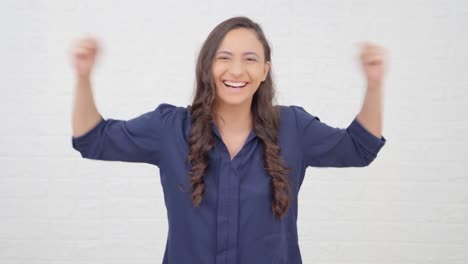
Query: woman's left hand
point(373, 61)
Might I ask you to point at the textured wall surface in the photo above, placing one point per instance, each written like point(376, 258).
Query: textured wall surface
point(409, 206)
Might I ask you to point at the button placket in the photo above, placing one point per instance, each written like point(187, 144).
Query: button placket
point(222, 214)
point(228, 200)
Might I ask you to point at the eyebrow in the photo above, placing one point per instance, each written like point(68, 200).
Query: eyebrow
point(245, 53)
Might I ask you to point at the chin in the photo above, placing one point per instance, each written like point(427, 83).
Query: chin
point(232, 101)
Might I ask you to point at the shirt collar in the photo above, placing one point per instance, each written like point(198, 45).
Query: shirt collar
point(215, 130)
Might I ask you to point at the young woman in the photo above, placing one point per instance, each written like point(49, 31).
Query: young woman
point(231, 163)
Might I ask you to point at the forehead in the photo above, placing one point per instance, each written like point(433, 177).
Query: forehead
point(241, 39)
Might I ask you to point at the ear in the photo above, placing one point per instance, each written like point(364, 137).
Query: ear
point(266, 69)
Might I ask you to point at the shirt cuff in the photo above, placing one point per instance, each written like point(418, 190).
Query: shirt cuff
point(366, 139)
point(81, 141)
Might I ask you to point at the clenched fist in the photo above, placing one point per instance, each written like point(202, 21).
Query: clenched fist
point(84, 52)
point(373, 60)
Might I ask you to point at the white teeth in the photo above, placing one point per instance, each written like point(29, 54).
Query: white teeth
point(235, 84)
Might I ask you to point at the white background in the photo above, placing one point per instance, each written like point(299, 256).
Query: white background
point(409, 206)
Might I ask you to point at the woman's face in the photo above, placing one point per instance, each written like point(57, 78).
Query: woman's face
point(239, 67)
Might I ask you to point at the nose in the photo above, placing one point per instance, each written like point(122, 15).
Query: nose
point(237, 68)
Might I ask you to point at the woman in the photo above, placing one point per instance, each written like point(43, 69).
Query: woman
point(231, 164)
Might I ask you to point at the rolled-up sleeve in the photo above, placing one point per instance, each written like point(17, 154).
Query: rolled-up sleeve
point(135, 140)
point(326, 146)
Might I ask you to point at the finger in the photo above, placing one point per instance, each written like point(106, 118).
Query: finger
point(368, 45)
point(372, 56)
point(373, 62)
point(88, 45)
point(373, 52)
point(83, 52)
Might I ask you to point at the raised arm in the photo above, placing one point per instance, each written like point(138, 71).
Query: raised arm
point(373, 61)
point(358, 144)
point(85, 114)
point(136, 140)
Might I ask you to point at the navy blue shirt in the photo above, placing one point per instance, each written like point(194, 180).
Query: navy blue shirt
point(234, 223)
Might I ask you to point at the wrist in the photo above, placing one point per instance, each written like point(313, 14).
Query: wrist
point(374, 85)
point(83, 78)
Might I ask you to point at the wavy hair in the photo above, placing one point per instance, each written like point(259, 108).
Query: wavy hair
point(265, 119)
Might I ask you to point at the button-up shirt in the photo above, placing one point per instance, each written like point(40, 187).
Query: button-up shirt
point(234, 222)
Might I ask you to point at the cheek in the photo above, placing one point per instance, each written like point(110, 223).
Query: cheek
point(214, 71)
point(217, 69)
point(257, 73)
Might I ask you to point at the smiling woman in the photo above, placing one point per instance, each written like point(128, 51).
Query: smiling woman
point(232, 163)
point(242, 58)
point(238, 64)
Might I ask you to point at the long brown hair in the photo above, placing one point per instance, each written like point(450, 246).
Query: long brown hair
point(265, 119)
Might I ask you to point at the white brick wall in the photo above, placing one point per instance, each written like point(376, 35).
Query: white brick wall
point(409, 206)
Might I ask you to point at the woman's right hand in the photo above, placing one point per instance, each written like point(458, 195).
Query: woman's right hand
point(84, 53)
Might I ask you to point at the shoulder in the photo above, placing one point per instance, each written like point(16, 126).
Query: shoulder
point(167, 110)
point(294, 113)
point(173, 118)
point(168, 113)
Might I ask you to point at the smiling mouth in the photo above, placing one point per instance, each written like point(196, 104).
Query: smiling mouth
point(231, 84)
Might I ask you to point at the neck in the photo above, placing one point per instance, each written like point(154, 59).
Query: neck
point(234, 118)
